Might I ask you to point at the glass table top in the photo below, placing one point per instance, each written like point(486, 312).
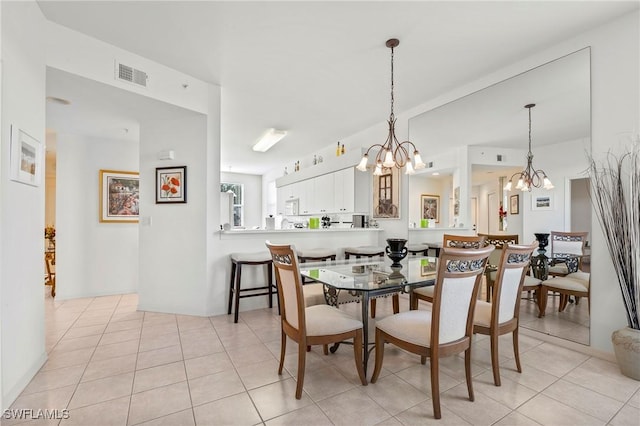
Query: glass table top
point(369, 274)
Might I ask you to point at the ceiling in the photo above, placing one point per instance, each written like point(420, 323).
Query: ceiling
point(317, 69)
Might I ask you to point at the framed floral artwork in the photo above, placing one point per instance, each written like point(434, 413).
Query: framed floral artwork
point(119, 196)
point(26, 158)
point(171, 185)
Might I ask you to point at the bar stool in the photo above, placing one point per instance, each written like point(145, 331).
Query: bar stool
point(372, 251)
point(251, 259)
point(435, 247)
point(315, 255)
point(418, 249)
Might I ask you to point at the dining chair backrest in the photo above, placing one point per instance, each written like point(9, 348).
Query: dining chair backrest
point(457, 284)
point(289, 283)
point(463, 241)
point(513, 265)
point(498, 241)
point(568, 243)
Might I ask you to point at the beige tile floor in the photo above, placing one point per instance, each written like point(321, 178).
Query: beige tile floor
point(111, 365)
point(571, 324)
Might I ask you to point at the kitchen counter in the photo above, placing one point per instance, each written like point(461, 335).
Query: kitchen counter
point(296, 231)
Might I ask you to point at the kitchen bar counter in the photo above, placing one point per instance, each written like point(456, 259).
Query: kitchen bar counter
point(296, 230)
point(253, 240)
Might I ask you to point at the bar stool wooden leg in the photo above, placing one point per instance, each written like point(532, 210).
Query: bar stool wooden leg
point(237, 291)
point(231, 285)
point(270, 284)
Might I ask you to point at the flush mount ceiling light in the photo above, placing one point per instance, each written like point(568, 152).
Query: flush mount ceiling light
point(269, 139)
point(530, 177)
point(60, 101)
point(393, 153)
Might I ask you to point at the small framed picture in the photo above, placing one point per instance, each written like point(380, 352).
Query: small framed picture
point(542, 202)
point(514, 204)
point(119, 196)
point(428, 266)
point(171, 185)
point(26, 158)
point(430, 207)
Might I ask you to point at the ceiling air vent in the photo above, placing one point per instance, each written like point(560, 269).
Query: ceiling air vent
point(131, 75)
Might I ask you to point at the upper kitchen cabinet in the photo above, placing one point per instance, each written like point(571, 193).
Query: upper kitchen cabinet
point(342, 191)
point(323, 193)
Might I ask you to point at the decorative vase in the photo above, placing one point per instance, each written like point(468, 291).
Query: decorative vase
point(626, 346)
point(540, 263)
point(396, 250)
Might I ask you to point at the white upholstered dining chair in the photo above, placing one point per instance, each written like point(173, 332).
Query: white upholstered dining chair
point(309, 325)
point(447, 328)
point(501, 315)
point(450, 241)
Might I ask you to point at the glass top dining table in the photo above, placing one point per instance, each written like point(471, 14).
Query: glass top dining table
point(369, 278)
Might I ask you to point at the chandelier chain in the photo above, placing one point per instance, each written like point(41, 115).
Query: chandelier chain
point(529, 131)
point(392, 98)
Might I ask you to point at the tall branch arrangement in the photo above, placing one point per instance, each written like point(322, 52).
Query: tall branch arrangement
point(616, 197)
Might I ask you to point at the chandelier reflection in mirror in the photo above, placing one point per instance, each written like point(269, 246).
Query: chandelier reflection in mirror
point(530, 177)
point(393, 153)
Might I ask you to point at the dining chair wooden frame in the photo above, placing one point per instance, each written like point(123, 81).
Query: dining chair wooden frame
point(498, 241)
point(502, 315)
point(50, 279)
point(458, 281)
point(448, 241)
point(566, 245)
point(576, 284)
point(296, 319)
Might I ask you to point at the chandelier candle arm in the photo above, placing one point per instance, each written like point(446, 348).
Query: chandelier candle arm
point(393, 153)
point(530, 177)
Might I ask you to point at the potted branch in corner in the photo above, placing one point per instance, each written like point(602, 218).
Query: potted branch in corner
point(616, 198)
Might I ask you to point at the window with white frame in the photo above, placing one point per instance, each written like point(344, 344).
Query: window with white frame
point(238, 201)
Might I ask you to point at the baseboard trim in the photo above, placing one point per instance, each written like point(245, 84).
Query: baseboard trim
point(584, 349)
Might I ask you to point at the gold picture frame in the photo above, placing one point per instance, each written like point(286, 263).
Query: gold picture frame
point(430, 207)
point(119, 196)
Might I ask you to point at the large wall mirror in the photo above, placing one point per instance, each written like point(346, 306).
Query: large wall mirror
point(479, 141)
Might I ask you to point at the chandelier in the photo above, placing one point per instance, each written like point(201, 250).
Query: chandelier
point(530, 177)
point(393, 153)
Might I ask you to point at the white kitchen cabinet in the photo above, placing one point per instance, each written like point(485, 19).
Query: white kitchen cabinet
point(324, 200)
point(283, 194)
point(305, 193)
point(344, 191)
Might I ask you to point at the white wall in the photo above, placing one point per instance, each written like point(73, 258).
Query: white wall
point(561, 161)
point(173, 252)
point(426, 184)
point(179, 237)
point(21, 206)
point(252, 196)
point(92, 258)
